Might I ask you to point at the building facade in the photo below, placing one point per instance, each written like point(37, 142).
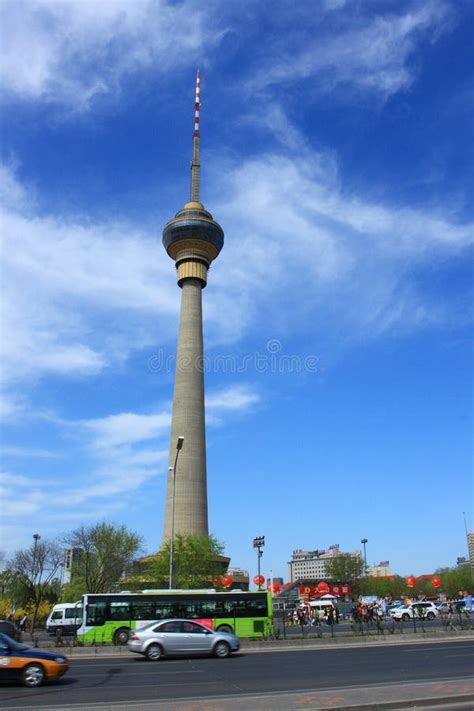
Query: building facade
point(470, 547)
point(240, 578)
point(382, 570)
point(312, 565)
point(72, 556)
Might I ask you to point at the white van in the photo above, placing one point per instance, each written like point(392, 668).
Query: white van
point(318, 605)
point(65, 615)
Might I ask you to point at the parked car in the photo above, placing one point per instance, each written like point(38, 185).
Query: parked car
point(423, 610)
point(11, 629)
point(394, 604)
point(29, 665)
point(181, 637)
point(457, 606)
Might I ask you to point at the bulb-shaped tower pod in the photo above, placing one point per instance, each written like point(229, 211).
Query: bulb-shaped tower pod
point(193, 239)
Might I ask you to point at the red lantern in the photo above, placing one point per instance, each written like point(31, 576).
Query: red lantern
point(322, 588)
point(227, 581)
point(274, 588)
point(411, 581)
point(436, 582)
point(259, 580)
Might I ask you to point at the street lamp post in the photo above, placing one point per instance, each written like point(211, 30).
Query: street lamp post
point(364, 542)
point(172, 470)
point(259, 543)
point(36, 538)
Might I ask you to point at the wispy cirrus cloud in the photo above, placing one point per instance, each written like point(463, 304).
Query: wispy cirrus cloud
point(61, 277)
point(233, 398)
point(363, 53)
point(121, 453)
point(357, 255)
point(12, 504)
point(72, 51)
point(126, 428)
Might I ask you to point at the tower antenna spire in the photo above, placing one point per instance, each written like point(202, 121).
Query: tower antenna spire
point(195, 164)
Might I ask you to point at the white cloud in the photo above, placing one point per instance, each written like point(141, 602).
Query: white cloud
point(71, 51)
point(28, 452)
point(11, 406)
point(62, 278)
point(19, 495)
point(120, 454)
point(127, 428)
point(233, 398)
point(369, 54)
point(77, 298)
point(354, 258)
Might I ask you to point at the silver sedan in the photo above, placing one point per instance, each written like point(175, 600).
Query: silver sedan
point(181, 637)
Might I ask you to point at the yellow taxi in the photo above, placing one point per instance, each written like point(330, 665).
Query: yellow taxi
point(29, 665)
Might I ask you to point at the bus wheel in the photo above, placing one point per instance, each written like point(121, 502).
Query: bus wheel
point(226, 628)
point(121, 636)
point(154, 653)
point(221, 650)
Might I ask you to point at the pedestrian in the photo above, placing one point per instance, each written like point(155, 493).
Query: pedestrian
point(450, 616)
point(59, 637)
point(467, 597)
point(23, 622)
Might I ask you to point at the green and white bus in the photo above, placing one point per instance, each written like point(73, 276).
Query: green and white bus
point(110, 617)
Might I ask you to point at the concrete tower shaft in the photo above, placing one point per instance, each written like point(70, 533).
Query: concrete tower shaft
point(193, 239)
point(189, 421)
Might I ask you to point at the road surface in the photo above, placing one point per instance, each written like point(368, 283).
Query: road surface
point(132, 679)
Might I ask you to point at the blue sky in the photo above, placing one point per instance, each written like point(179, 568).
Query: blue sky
point(337, 154)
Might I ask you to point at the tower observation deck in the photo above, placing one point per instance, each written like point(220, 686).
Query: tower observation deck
point(193, 239)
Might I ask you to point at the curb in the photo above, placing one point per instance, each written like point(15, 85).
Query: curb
point(301, 701)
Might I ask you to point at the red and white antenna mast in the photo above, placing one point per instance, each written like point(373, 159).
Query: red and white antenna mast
point(195, 164)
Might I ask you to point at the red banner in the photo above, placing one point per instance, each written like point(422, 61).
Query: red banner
point(336, 589)
point(205, 622)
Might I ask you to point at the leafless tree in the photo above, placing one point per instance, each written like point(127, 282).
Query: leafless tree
point(35, 567)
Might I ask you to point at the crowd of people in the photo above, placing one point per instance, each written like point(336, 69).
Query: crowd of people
point(371, 613)
point(306, 615)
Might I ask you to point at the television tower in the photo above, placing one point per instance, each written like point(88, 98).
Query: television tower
point(193, 239)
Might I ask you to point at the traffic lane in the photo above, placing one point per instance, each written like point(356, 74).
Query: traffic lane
point(344, 627)
point(109, 680)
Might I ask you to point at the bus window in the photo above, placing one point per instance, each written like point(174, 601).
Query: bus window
point(143, 610)
point(120, 610)
point(208, 609)
point(96, 613)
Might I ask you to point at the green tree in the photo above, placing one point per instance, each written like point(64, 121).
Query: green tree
point(73, 591)
point(394, 586)
point(455, 580)
point(107, 552)
point(344, 567)
point(196, 562)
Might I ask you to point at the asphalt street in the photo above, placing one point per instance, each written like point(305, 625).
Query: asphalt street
point(132, 679)
point(344, 628)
